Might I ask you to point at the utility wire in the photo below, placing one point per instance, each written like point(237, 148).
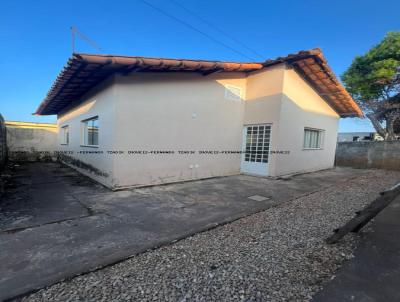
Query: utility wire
point(195, 29)
point(217, 28)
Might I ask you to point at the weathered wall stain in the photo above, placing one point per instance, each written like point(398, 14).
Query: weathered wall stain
point(379, 154)
point(69, 160)
point(31, 155)
point(31, 141)
point(3, 143)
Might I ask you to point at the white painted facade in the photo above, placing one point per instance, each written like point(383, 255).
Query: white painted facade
point(190, 112)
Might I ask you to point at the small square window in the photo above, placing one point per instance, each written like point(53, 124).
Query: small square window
point(65, 135)
point(313, 138)
point(90, 129)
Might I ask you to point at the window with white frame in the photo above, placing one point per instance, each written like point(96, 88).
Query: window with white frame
point(65, 135)
point(313, 138)
point(90, 131)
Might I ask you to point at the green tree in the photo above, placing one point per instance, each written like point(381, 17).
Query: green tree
point(374, 82)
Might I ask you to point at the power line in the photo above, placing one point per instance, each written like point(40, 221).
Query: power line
point(217, 29)
point(195, 29)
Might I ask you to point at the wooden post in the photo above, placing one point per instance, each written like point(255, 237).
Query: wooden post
point(368, 213)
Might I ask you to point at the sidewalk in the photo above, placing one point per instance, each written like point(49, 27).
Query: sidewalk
point(374, 273)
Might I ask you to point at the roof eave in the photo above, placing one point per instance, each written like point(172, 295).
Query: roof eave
point(328, 94)
point(70, 84)
point(126, 65)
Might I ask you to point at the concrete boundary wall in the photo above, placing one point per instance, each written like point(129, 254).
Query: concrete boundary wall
point(28, 141)
point(3, 143)
point(377, 154)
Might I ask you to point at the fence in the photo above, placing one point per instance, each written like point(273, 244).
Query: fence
point(27, 141)
point(376, 154)
point(3, 143)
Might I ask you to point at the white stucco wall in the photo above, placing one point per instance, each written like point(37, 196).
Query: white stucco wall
point(144, 112)
point(98, 102)
point(263, 104)
point(301, 108)
point(178, 112)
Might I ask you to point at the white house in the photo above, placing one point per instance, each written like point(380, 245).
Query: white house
point(134, 121)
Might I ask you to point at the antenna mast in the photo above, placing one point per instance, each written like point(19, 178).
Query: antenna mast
point(75, 32)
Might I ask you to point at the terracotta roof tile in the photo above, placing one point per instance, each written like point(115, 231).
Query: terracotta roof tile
point(84, 71)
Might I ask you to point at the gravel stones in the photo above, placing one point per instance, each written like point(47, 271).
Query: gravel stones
point(275, 255)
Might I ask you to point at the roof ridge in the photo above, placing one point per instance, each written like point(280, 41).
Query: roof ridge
point(163, 58)
point(311, 51)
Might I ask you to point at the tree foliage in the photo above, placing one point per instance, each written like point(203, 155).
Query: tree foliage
point(374, 82)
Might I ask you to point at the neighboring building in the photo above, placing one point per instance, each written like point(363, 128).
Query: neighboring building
point(358, 137)
point(282, 113)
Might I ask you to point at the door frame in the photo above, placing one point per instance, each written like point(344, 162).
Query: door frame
point(242, 161)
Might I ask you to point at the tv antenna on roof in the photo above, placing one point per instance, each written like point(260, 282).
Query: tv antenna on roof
point(75, 32)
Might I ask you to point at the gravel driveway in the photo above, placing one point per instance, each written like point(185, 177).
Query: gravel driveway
point(275, 255)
